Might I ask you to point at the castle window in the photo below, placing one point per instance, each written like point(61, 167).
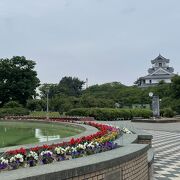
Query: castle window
point(150, 81)
point(160, 64)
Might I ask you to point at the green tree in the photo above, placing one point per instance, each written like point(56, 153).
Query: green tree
point(88, 101)
point(70, 86)
point(12, 104)
point(175, 86)
point(62, 103)
point(36, 104)
point(51, 89)
point(18, 79)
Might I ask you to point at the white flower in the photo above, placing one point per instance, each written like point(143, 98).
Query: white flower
point(81, 146)
point(19, 157)
point(46, 152)
point(33, 155)
point(21, 160)
point(73, 149)
point(68, 148)
point(3, 161)
point(126, 130)
point(6, 161)
point(85, 144)
point(60, 150)
point(12, 159)
point(90, 145)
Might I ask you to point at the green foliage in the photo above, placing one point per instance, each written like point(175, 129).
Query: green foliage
point(70, 86)
point(36, 105)
point(145, 113)
point(175, 105)
point(18, 79)
point(63, 103)
point(67, 86)
point(89, 101)
point(51, 89)
point(167, 112)
point(166, 102)
point(64, 97)
point(176, 86)
point(18, 111)
point(44, 114)
point(118, 93)
point(12, 104)
point(109, 113)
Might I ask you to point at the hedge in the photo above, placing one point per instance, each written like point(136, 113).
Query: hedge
point(109, 113)
point(18, 111)
point(167, 112)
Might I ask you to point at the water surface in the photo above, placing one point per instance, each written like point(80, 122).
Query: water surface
point(17, 133)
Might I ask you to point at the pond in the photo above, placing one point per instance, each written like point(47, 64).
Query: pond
point(18, 133)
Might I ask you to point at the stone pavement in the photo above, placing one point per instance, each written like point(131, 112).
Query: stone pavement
point(166, 144)
point(167, 155)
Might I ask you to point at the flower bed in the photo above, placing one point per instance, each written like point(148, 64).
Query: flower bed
point(101, 141)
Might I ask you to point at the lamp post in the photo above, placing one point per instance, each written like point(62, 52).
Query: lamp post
point(47, 105)
point(155, 105)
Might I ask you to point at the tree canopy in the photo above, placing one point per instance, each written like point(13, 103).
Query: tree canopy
point(18, 79)
point(64, 96)
point(68, 86)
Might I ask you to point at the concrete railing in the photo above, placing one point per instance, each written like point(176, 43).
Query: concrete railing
point(131, 161)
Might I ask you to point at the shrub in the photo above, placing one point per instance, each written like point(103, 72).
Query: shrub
point(44, 114)
point(12, 104)
point(18, 111)
point(109, 113)
point(144, 113)
point(167, 112)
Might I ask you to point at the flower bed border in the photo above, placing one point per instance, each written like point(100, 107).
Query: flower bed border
point(102, 140)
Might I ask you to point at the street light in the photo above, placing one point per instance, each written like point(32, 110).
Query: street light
point(151, 94)
point(155, 104)
point(47, 105)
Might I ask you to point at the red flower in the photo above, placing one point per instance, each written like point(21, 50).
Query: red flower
point(45, 146)
point(72, 141)
point(36, 149)
point(21, 151)
point(12, 152)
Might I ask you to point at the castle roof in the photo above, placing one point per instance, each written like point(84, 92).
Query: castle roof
point(160, 58)
point(161, 76)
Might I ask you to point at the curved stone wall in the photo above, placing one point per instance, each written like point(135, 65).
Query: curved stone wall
point(88, 130)
point(132, 161)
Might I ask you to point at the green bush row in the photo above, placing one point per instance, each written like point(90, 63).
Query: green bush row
point(16, 111)
point(167, 112)
point(109, 113)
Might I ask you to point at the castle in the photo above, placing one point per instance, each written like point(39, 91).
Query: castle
point(160, 71)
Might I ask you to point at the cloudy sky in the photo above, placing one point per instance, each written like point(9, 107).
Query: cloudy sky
point(102, 40)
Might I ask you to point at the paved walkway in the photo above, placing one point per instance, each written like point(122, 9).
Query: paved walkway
point(166, 144)
point(167, 155)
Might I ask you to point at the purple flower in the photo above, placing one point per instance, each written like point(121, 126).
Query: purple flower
point(3, 165)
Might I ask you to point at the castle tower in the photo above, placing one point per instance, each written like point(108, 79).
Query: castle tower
point(160, 71)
